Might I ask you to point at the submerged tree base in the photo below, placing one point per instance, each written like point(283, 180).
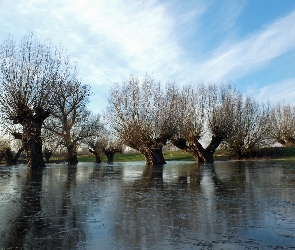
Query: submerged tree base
point(153, 156)
point(195, 148)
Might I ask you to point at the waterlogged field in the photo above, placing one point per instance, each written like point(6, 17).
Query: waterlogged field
point(228, 205)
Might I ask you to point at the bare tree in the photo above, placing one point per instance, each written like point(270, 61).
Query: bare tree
point(113, 147)
point(143, 116)
point(28, 74)
point(191, 120)
point(96, 147)
point(97, 143)
point(7, 148)
point(51, 144)
point(103, 145)
point(70, 119)
point(209, 108)
point(11, 144)
point(250, 131)
point(282, 124)
point(103, 142)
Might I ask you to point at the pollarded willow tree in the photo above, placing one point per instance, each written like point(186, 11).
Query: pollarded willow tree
point(52, 143)
point(29, 71)
point(282, 124)
point(7, 148)
point(103, 143)
point(250, 130)
point(143, 115)
point(209, 108)
point(191, 117)
point(96, 143)
point(70, 120)
point(15, 146)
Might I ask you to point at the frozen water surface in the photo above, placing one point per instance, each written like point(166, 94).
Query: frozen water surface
point(228, 205)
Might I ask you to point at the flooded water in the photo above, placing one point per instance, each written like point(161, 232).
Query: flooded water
point(228, 205)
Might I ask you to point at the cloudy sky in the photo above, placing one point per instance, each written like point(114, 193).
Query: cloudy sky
point(250, 43)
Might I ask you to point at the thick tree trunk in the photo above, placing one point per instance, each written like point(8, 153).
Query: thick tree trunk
point(195, 148)
point(72, 157)
point(32, 141)
point(96, 154)
point(210, 150)
point(97, 158)
point(240, 154)
point(32, 121)
point(153, 155)
point(110, 155)
point(34, 154)
point(17, 155)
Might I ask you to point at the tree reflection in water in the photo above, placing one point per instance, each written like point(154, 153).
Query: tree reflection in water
point(201, 205)
point(41, 223)
point(131, 205)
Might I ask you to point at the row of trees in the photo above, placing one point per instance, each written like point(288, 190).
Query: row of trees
point(42, 101)
point(43, 104)
point(146, 116)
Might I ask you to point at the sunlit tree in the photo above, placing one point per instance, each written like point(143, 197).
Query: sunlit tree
point(70, 119)
point(209, 109)
point(282, 124)
point(190, 120)
point(250, 131)
point(142, 114)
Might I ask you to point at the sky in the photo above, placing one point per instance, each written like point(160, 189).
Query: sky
point(250, 43)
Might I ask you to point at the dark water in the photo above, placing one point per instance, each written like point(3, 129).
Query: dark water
point(230, 205)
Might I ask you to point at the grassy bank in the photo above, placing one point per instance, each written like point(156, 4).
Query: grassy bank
point(265, 153)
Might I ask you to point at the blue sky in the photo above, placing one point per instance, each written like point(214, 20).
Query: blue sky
point(250, 43)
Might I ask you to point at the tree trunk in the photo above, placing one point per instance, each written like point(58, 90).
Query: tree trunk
point(240, 154)
point(196, 149)
point(97, 158)
point(153, 155)
point(17, 155)
point(110, 155)
point(47, 154)
point(32, 141)
point(72, 157)
point(96, 154)
point(210, 150)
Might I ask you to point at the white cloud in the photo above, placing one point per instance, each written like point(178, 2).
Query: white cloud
point(108, 39)
point(238, 59)
point(112, 39)
point(118, 37)
point(283, 92)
